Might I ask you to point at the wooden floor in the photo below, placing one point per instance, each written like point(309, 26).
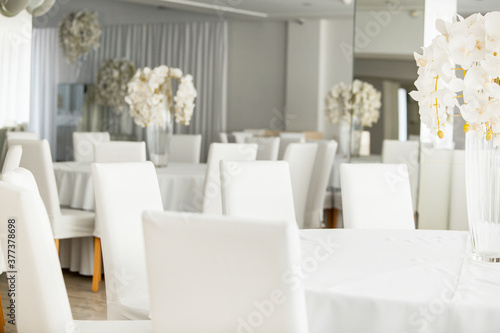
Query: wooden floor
point(85, 304)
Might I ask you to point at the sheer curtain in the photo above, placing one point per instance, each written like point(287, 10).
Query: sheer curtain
point(198, 48)
point(15, 50)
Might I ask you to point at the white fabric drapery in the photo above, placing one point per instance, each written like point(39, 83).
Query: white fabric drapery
point(15, 50)
point(198, 48)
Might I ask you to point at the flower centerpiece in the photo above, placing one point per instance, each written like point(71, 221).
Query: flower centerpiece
point(460, 70)
point(78, 33)
point(358, 105)
point(112, 79)
point(152, 105)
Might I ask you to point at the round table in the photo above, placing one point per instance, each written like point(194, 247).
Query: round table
point(181, 187)
point(396, 281)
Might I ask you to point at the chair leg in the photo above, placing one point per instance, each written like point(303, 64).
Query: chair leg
point(335, 218)
point(97, 264)
point(57, 245)
point(329, 218)
point(2, 329)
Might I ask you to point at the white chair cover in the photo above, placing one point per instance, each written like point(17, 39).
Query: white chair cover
point(376, 196)
point(21, 135)
point(319, 182)
point(240, 137)
point(83, 144)
point(185, 148)
point(217, 274)
point(119, 151)
point(434, 188)
point(407, 152)
point(212, 203)
point(288, 138)
point(41, 301)
point(300, 157)
point(260, 189)
point(122, 192)
point(267, 147)
point(12, 159)
point(223, 137)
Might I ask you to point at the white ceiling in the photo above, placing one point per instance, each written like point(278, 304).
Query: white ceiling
point(285, 9)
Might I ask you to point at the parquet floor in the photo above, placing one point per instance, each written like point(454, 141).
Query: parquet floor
point(85, 304)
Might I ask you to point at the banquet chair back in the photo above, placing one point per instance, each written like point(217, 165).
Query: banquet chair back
point(259, 189)
point(240, 137)
point(300, 157)
point(395, 152)
point(185, 148)
point(319, 182)
point(212, 203)
point(122, 192)
point(12, 159)
point(222, 271)
point(267, 147)
point(434, 188)
point(83, 144)
point(223, 137)
point(288, 138)
point(42, 303)
point(376, 196)
point(119, 152)
point(12, 135)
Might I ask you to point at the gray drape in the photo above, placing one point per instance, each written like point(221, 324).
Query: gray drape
point(198, 48)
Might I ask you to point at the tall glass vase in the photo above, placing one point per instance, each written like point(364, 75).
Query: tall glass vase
point(158, 139)
point(356, 131)
point(483, 196)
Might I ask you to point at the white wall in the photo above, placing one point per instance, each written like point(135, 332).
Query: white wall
point(256, 74)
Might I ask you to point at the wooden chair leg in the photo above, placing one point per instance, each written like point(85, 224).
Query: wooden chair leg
point(335, 218)
point(97, 264)
point(2, 330)
point(329, 218)
point(57, 245)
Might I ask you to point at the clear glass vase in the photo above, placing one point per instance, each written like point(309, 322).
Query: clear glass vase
point(355, 142)
point(483, 196)
point(158, 140)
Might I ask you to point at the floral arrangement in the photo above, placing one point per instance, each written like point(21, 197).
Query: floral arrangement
point(112, 79)
point(359, 100)
point(78, 33)
point(462, 62)
point(150, 92)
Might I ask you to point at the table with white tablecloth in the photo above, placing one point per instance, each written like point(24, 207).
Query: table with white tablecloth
point(396, 281)
point(181, 186)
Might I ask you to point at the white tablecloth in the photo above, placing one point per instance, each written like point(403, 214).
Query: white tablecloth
point(181, 186)
point(397, 282)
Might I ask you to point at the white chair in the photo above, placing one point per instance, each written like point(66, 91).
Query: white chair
point(395, 152)
point(458, 218)
point(42, 303)
point(223, 137)
point(221, 274)
point(12, 159)
point(122, 192)
point(212, 203)
point(434, 188)
point(185, 148)
point(267, 147)
point(66, 222)
point(288, 138)
point(300, 157)
point(322, 170)
point(240, 137)
point(83, 144)
point(376, 196)
point(21, 135)
point(119, 151)
point(259, 189)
